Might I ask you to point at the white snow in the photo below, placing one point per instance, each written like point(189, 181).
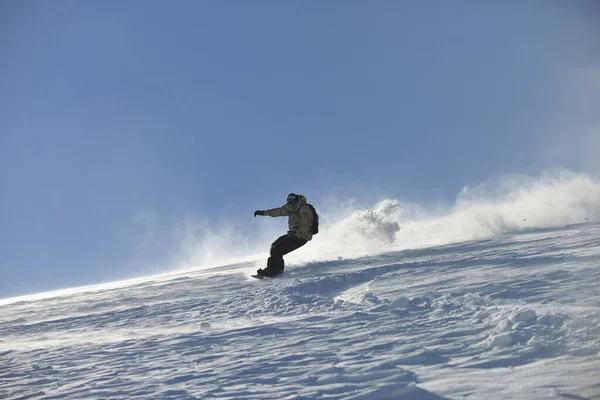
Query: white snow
point(497, 299)
point(515, 316)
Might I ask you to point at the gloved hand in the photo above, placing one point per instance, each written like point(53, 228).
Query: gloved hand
point(259, 212)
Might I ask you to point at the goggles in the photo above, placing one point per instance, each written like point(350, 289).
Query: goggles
point(291, 199)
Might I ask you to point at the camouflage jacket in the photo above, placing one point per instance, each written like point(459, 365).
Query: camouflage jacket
point(299, 219)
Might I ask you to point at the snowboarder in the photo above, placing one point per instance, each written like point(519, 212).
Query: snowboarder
point(303, 223)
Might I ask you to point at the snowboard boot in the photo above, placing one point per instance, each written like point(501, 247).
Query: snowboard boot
point(270, 273)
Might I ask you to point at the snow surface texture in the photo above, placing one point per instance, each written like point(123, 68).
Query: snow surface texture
point(496, 298)
point(516, 316)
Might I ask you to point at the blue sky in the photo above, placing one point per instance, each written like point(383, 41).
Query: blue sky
point(112, 111)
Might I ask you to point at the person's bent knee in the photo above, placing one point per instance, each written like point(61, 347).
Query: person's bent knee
point(274, 252)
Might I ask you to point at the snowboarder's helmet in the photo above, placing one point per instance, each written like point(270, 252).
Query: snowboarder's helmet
point(292, 200)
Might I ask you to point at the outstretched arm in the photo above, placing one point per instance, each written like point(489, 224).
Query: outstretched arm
point(277, 212)
point(274, 212)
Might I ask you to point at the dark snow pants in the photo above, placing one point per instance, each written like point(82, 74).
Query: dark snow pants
point(282, 246)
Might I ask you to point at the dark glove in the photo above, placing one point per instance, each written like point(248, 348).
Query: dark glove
point(259, 212)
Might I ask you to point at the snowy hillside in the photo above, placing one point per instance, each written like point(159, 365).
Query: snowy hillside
point(496, 298)
point(516, 316)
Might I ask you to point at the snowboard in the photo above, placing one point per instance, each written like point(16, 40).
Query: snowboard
point(256, 276)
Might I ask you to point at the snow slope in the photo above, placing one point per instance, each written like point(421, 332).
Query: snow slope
point(512, 316)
